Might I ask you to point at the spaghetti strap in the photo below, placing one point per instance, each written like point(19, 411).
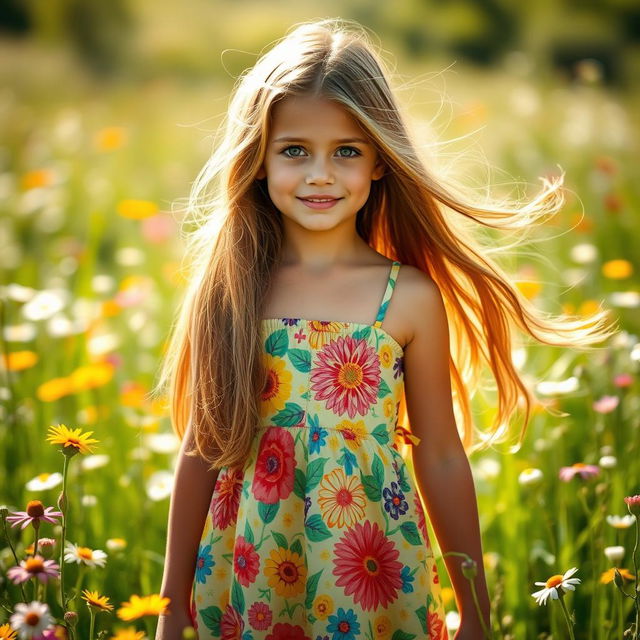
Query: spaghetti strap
point(391, 283)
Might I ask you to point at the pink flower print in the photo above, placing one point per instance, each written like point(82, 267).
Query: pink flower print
point(260, 616)
point(246, 562)
point(224, 506)
point(300, 335)
point(275, 466)
point(347, 375)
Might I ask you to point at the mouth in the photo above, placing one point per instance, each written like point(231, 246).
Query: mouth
point(319, 202)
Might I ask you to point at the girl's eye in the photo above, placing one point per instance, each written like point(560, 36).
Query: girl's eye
point(294, 147)
point(293, 151)
point(355, 152)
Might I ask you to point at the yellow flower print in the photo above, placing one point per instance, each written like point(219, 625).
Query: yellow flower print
point(323, 606)
point(341, 499)
point(388, 407)
point(321, 333)
point(386, 355)
point(286, 571)
point(278, 386)
point(353, 433)
point(382, 628)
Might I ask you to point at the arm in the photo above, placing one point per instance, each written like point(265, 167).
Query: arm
point(441, 466)
point(190, 501)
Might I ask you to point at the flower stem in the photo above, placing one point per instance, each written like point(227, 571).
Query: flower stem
point(93, 620)
point(15, 555)
point(636, 595)
point(63, 507)
point(566, 617)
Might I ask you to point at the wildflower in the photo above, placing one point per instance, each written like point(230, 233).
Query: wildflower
point(34, 514)
point(44, 544)
point(30, 620)
point(608, 462)
point(606, 404)
point(18, 360)
point(44, 481)
point(34, 567)
point(555, 586)
point(89, 463)
point(77, 441)
point(609, 575)
point(621, 522)
point(6, 632)
point(159, 485)
point(614, 554)
point(84, 555)
point(530, 477)
point(579, 468)
point(94, 600)
point(623, 380)
point(116, 544)
point(633, 504)
point(129, 633)
point(137, 209)
point(617, 269)
point(143, 606)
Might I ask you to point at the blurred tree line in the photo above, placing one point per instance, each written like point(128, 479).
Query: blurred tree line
point(555, 33)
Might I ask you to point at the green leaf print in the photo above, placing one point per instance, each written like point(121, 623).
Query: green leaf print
point(268, 511)
point(316, 529)
point(291, 415)
point(381, 434)
point(371, 487)
point(277, 343)
point(402, 477)
point(296, 547)
point(211, 617)
point(281, 541)
point(422, 616)
point(299, 483)
point(383, 389)
point(300, 359)
point(377, 469)
point(410, 532)
point(248, 533)
point(402, 635)
point(312, 588)
point(315, 471)
point(361, 334)
point(237, 597)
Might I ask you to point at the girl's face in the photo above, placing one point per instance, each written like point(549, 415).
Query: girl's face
point(316, 150)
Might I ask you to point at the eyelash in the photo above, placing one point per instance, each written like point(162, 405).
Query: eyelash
point(297, 146)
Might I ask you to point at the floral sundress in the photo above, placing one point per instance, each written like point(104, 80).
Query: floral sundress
point(322, 534)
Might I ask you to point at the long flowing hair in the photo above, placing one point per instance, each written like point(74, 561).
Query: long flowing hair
point(213, 369)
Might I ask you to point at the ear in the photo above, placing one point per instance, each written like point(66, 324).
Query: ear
point(378, 170)
point(261, 173)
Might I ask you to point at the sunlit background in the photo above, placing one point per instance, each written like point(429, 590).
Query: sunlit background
point(107, 112)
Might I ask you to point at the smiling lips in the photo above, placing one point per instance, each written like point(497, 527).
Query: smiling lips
point(319, 202)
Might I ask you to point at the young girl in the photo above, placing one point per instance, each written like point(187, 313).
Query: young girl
point(337, 296)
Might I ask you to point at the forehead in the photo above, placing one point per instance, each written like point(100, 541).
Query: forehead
point(308, 117)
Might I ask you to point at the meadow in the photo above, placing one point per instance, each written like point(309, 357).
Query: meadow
point(93, 182)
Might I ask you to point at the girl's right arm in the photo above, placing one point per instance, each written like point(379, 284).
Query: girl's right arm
point(190, 500)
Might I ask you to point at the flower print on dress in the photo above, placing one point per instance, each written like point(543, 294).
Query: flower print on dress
point(275, 467)
point(398, 367)
point(246, 562)
point(346, 375)
point(260, 616)
point(204, 563)
point(422, 524)
point(277, 388)
point(436, 626)
point(353, 433)
point(317, 435)
point(366, 564)
point(321, 332)
point(344, 624)
point(224, 505)
point(286, 571)
point(394, 503)
point(231, 624)
point(407, 579)
point(341, 498)
point(286, 631)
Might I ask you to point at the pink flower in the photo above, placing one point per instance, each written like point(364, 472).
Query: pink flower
point(158, 229)
point(34, 514)
point(585, 471)
point(633, 504)
point(606, 404)
point(34, 567)
point(623, 380)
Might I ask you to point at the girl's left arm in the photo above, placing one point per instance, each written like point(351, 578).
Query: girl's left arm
point(441, 465)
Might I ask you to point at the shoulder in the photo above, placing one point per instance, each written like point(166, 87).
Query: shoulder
point(421, 295)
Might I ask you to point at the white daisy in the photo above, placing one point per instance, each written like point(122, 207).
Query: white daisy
point(84, 555)
point(44, 481)
point(621, 522)
point(30, 620)
point(614, 554)
point(553, 584)
point(88, 463)
point(159, 485)
point(530, 477)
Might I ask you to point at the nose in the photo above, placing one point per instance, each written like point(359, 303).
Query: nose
point(320, 172)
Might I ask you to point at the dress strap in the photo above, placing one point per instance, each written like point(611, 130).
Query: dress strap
point(391, 283)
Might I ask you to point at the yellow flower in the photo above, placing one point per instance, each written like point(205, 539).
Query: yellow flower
point(92, 376)
point(19, 360)
point(133, 394)
point(322, 606)
point(71, 438)
point(353, 433)
point(381, 628)
point(97, 601)
point(54, 389)
point(617, 269)
point(7, 633)
point(529, 289)
point(321, 333)
point(37, 178)
point(278, 386)
point(128, 634)
point(388, 407)
point(137, 607)
point(341, 499)
point(110, 138)
point(608, 576)
point(286, 572)
point(386, 355)
point(137, 209)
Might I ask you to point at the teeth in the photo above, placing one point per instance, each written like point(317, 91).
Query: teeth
point(318, 200)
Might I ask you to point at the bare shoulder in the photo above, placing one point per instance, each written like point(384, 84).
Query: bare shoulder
point(419, 293)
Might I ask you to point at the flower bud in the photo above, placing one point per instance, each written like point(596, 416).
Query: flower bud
point(71, 618)
point(633, 504)
point(469, 568)
point(617, 578)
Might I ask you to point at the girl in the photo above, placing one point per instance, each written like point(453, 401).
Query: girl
point(337, 295)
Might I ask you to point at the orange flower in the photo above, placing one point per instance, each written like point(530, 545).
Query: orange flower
point(608, 575)
point(110, 138)
point(54, 389)
point(72, 438)
point(137, 607)
point(19, 360)
point(92, 376)
point(617, 269)
point(37, 178)
point(97, 601)
point(137, 209)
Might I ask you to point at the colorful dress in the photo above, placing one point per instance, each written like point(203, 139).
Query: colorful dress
point(322, 534)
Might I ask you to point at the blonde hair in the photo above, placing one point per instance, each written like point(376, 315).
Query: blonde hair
point(213, 364)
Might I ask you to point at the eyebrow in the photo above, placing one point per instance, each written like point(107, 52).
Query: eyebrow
point(340, 141)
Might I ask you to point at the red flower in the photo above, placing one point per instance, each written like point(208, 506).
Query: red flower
point(633, 504)
point(231, 624)
point(436, 626)
point(366, 563)
point(246, 562)
point(275, 466)
point(347, 376)
point(260, 616)
point(226, 500)
point(422, 524)
point(286, 631)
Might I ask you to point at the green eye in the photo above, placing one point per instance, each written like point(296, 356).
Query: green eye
point(355, 152)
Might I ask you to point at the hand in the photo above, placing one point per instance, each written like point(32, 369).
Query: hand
point(171, 625)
